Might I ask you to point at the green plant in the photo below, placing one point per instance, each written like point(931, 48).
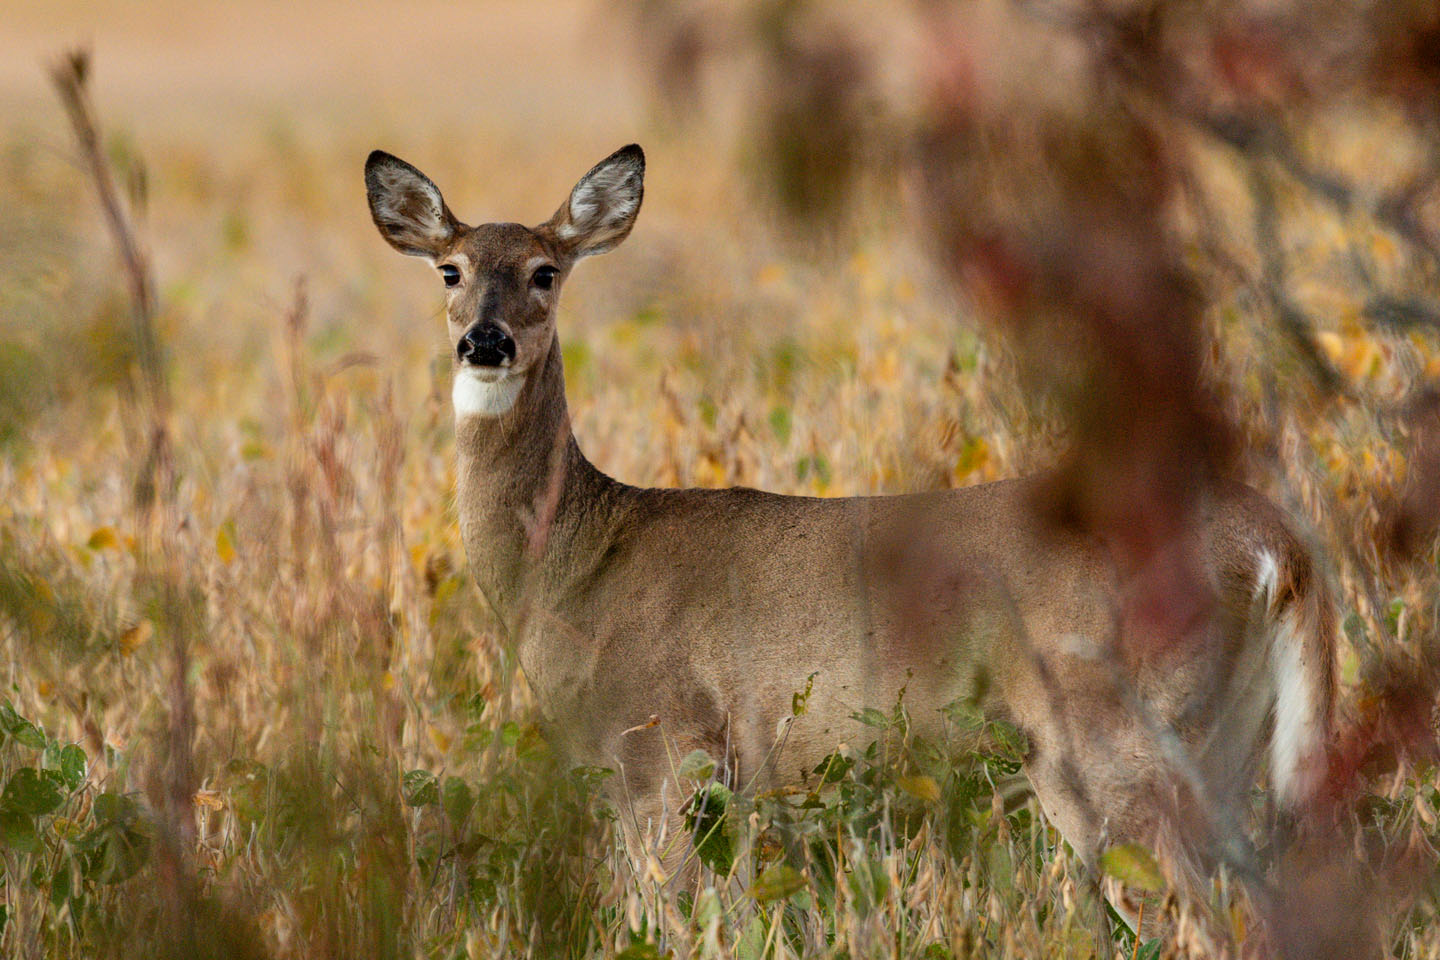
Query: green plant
point(59, 833)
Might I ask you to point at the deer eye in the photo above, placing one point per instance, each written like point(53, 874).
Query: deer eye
point(451, 273)
point(544, 277)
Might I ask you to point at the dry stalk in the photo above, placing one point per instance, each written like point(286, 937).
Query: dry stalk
point(155, 476)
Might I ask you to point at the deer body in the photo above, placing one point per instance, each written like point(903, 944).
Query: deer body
point(711, 609)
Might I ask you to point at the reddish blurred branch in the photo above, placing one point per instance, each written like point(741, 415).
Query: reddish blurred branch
point(1061, 150)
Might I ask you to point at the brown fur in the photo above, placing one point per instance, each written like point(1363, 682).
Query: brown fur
point(709, 609)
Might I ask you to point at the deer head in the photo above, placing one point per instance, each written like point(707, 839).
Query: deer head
point(502, 280)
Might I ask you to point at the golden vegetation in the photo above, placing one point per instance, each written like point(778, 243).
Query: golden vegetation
point(304, 735)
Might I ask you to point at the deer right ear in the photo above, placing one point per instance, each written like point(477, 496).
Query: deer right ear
point(407, 208)
point(603, 206)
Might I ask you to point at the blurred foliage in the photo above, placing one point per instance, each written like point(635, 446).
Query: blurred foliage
point(1211, 236)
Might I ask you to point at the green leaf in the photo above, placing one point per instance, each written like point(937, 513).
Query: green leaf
point(704, 816)
point(1001, 766)
point(965, 713)
point(833, 768)
point(800, 699)
point(419, 788)
point(751, 945)
point(590, 777)
point(112, 808)
point(1001, 868)
point(1149, 950)
point(30, 793)
point(707, 909)
point(868, 882)
point(1010, 742)
point(822, 468)
point(871, 717)
point(639, 951)
point(780, 423)
point(115, 849)
point(17, 831)
point(532, 745)
point(1393, 613)
point(457, 799)
point(60, 884)
point(477, 737)
point(1133, 865)
point(19, 729)
point(698, 766)
point(777, 883)
point(72, 766)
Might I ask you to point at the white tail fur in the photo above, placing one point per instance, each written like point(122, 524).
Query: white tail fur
point(1297, 623)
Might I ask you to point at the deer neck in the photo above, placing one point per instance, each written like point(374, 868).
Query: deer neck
point(527, 494)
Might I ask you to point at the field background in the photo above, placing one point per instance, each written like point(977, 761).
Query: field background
point(252, 671)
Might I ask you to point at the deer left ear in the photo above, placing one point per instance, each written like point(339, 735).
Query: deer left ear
point(407, 207)
point(602, 208)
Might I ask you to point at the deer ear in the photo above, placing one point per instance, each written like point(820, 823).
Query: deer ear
point(406, 207)
point(603, 206)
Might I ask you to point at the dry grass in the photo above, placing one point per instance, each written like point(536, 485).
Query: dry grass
point(260, 657)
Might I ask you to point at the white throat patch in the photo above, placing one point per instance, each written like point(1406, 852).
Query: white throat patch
point(475, 396)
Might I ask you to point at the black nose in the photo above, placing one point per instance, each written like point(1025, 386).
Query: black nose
point(485, 345)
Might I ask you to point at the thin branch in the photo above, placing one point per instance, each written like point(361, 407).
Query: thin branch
point(1273, 286)
point(71, 79)
point(1260, 139)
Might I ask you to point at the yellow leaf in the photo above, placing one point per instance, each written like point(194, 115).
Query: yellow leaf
point(1331, 344)
point(1238, 925)
point(209, 799)
point(1382, 247)
point(1349, 668)
point(225, 542)
point(920, 787)
point(132, 639)
point(975, 455)
point(888, 368)
point(862, 264)
point(446, 589)
point(103, 539)
point(709, 472)
point(1134, 866)
point(439, 737)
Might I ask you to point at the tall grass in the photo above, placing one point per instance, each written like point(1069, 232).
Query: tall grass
point(264, 713)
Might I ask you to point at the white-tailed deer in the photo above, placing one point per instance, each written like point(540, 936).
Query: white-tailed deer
point(711, 608)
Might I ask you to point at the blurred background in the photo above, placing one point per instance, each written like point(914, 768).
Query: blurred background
point(885, 247)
